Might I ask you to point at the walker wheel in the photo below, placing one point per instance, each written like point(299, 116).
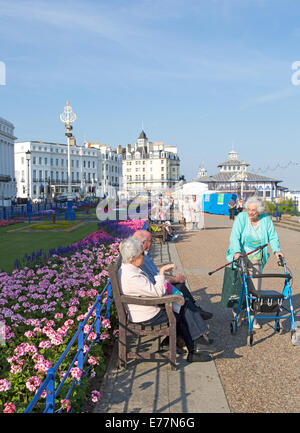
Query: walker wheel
point(250, 339)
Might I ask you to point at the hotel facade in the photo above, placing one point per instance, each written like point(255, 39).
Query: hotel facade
point(95, 169)
point(149, 166)
point(7, 166)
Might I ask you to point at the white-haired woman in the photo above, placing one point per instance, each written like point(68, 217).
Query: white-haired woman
point(252, 229)
point(133, 281)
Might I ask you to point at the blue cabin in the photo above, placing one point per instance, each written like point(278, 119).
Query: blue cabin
point(217, 203)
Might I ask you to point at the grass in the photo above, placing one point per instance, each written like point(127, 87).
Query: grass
point(15, 245)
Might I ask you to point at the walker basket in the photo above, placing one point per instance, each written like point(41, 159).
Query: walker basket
point(266, 301)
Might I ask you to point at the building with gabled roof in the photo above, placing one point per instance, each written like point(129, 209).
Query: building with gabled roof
point(234, 177)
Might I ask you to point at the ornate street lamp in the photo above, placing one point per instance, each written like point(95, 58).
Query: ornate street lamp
point(68, 117)
point(242, 176)
point(28, 157)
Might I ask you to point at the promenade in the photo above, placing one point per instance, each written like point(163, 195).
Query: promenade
point(239, 378)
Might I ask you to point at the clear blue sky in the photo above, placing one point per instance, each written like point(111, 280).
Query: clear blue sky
point(199, 74)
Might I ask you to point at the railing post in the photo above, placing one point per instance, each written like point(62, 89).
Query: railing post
point(80, 346)
point(108, 301)
point(295, 206)
point(277, 212)
point(98, 319)
point(50, 398)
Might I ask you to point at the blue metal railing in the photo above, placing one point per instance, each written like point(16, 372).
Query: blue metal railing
point(291, 208)
point(49, 382)
point(38, 209)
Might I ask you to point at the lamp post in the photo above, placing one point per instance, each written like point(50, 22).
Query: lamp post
point(243, 177)
point(68, 117)
point(28, 157)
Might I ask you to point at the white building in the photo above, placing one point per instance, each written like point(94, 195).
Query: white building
point(48, 169)
point(111, 168)
point(234, 177)
point(149, 166)
point(7, 166)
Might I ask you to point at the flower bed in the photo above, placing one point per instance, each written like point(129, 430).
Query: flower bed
point(5, 223)
point(41, 308)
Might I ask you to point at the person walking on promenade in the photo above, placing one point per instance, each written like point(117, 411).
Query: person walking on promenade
point(196, 214)
point(187, 213)
point(232, 206)
point(133, 281)
point(251, 230)
point(239, 206)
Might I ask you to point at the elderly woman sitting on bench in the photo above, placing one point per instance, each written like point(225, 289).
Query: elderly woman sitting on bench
point(133, 281)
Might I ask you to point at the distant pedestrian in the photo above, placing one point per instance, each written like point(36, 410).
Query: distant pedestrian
point(239, 206)
point(232, 207)
point(187, 213)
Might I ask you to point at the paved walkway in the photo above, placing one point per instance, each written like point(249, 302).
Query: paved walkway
point(239, 378)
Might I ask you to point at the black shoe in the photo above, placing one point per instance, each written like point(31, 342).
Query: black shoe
point(204, 344)
point(206, 315)
point(198, 357)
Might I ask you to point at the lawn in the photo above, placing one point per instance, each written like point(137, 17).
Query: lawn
point(15, 245)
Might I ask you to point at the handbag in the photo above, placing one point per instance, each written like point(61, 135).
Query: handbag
point(232, 286)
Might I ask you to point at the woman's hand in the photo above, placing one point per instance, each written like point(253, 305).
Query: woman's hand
point(278, 254)
point(236, 256)
point(166, 268)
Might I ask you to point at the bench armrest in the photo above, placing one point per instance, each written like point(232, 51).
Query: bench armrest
point(160, 300)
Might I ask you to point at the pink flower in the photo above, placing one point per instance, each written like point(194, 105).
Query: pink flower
point(105, 323)
point(33, 383)
point(5, 385)
point(95, 396)
point(29, 334)
point(104, 336)
point(45, 344)
point(76, 372)
point(65, 404)
point(93, 361)
point(9, 408)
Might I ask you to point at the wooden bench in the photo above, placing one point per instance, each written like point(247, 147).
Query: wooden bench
point(125, 326)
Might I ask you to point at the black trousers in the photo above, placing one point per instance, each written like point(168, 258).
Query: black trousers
point(190, 324)
point(231, 213)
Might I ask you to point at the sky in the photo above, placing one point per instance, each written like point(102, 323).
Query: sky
point(204, 75)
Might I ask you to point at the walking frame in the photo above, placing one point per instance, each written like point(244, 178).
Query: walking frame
point(253, 301)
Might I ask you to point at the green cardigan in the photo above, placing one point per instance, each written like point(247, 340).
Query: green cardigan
point(237, 237)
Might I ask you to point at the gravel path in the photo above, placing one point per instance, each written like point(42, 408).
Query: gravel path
point(264, 377)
